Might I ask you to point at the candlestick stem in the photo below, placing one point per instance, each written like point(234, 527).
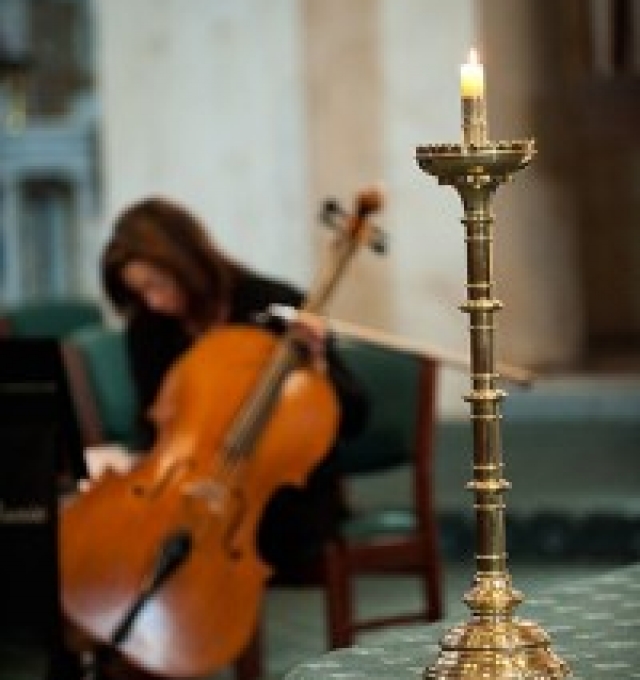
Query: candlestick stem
point(493, 644)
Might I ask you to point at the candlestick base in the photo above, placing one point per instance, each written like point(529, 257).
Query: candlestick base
point(494, 645)
point(496, 650)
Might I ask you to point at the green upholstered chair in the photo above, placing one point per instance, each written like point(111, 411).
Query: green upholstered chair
point(101, 384)
point(49, 318)
point(400, 432)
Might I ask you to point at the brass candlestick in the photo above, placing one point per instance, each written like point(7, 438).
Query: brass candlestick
point(493, 645)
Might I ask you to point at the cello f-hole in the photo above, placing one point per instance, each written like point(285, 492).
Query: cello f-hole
point(238, 508)
point(167, 475)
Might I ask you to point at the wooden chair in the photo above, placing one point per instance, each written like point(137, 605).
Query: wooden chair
point(101, 385)
point(400, 432)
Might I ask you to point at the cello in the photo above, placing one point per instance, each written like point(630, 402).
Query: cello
point(159, 565)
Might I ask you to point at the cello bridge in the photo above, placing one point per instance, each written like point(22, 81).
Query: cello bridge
point(212, 493)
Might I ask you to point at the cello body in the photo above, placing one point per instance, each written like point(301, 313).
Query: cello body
point(207, 490)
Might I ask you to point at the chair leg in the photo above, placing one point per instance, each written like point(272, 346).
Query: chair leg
point(248, 665)
point(432, 585)
point(432, 572)
point(339, 602)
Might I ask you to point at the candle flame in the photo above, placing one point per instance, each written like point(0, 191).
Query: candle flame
point(473, 56)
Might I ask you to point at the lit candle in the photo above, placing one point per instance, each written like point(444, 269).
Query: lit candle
point(474, 118)
point(472, 76)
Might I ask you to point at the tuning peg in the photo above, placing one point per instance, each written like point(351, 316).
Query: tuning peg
point(331, 213)
point(370, 200)
point(378, 240)
point(331, 206)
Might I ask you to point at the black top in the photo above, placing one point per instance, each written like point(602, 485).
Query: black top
point(296, 521)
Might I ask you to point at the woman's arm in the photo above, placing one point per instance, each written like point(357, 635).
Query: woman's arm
point(256, 294)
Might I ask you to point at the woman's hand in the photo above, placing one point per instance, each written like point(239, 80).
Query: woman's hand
point(105, 457)
point(312, 332)
point(309, 329)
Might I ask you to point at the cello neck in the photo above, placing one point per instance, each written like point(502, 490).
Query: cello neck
point(251, 419)
point(248, 424)
point(352, 232)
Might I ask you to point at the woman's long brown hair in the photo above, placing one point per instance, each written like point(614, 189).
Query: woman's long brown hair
point(166, 235)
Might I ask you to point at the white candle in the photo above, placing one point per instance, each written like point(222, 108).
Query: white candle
point(472, 77)
point(474, 114)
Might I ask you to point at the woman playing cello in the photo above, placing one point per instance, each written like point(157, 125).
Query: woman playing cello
point(171, 283)
point(239, 480)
